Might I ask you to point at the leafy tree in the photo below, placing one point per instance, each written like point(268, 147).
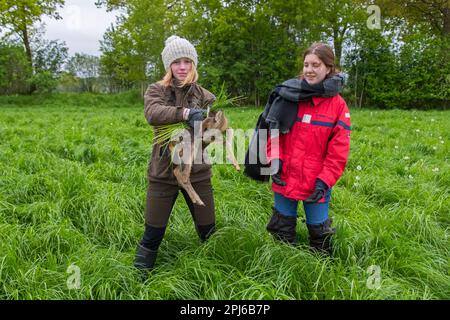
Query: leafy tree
point(19, 16)
point(131, 49)
point(396, 67)
point(425, 80)
point(14, 68)
point(49, 55)
point(86, 68)
point(372, 67)
point(243, 43)
point(43, 81)
point(433, 13)
point(335, 20)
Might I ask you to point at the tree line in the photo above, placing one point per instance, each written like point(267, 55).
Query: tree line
point(394, 54)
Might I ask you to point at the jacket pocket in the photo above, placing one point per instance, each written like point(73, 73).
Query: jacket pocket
point(320, 138)
point(159, 166)
point(311, 170)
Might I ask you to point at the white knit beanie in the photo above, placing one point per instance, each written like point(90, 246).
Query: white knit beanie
point(177, 48)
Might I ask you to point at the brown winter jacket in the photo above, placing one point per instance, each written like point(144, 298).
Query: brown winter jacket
point(164, 105)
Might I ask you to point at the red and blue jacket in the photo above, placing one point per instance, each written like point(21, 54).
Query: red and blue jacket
point(317, 146)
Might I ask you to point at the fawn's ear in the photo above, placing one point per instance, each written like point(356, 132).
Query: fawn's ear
point(219, 116)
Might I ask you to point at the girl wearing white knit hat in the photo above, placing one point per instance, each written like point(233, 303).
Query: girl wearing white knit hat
point(177, 97)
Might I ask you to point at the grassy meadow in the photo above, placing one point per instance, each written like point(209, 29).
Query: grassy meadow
point(72, 196)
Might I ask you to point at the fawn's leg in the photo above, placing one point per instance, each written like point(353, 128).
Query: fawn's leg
point(229, 149)
point(183, 178)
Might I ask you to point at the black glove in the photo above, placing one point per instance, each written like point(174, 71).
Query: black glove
point(319, 191)
point(277, 165)
point(195, 115)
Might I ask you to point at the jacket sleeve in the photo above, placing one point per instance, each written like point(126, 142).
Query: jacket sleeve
point(155, 110)
point(338, 148)
point(208, 98)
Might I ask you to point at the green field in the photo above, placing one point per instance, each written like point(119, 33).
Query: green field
point(72, 191)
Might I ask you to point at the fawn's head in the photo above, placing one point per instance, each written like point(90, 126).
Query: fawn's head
point(215, 120)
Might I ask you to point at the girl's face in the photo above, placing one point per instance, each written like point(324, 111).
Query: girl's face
point(181, 68)
point(314, 70)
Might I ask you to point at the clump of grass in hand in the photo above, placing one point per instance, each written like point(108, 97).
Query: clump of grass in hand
point(165, 133)
point(222, 101)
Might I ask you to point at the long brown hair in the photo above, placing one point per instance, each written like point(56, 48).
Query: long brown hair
point(325, 54)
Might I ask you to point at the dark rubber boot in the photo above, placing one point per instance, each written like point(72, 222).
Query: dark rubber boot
point(283, 227)
point(204, 232)
point(320, 237)
point(145, 258)
point(147, 249)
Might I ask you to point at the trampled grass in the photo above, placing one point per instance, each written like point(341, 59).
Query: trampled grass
point(72, 193)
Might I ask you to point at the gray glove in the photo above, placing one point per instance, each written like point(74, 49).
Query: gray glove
point(195, 115)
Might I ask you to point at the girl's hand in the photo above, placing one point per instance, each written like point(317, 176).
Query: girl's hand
point(277, 165)
point(319, 192)
point(195, 115)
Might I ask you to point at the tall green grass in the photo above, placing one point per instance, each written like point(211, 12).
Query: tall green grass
point(72, 191)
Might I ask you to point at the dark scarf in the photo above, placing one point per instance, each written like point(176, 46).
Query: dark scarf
point(281, 109)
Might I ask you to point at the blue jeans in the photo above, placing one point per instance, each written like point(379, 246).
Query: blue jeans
point(316, 213)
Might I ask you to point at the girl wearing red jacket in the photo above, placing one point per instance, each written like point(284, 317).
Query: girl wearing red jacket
point(312, 157)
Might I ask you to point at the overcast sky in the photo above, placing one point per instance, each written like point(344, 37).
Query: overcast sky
point(81, 27)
